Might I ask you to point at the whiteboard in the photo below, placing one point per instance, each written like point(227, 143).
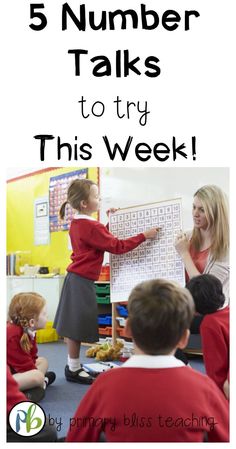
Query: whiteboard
point(126, 186)
point(154, 258)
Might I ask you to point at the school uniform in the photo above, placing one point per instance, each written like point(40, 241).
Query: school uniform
point(76, 316)
point(18, 360)
point(214, 332)
point(151, 399)
point(14, 395)
point(205, 264)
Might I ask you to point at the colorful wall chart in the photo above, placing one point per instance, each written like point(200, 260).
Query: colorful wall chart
point(58, 187)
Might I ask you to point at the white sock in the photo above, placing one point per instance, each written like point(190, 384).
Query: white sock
point(74, 364)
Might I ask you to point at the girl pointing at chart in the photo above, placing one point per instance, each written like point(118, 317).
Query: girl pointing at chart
point(76, 316)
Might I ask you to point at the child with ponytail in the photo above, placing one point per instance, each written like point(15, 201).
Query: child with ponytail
point(76, 317)
point(27, 313)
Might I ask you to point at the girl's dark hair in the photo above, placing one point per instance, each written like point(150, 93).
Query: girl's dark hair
point(78, 191)
point(207, 293)
point(159, 313)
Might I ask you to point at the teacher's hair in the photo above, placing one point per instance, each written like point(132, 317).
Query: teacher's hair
point(215, 205)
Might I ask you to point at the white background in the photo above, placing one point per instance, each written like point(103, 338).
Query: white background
point(191, 97)
point(194, 95)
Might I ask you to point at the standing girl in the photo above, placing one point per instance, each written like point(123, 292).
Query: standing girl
point(27, 313)
point(76, 317)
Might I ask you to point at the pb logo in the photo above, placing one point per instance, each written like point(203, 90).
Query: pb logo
point(27, 419)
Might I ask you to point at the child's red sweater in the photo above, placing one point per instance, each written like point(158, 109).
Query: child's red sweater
point(90, 239)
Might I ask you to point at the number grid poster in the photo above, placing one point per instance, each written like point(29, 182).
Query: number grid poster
point(153, 259)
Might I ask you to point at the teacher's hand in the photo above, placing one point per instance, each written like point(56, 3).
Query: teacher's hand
point(112, 210)
point(182, 244)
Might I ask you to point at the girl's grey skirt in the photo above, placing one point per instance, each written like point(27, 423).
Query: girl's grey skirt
point(76, 316)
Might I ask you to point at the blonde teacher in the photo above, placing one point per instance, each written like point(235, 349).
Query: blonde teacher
point(206, 248)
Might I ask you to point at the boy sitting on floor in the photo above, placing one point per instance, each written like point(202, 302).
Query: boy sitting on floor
point(209, 299)
point(153, 396)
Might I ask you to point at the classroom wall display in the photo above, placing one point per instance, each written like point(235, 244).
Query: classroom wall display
point(58, 187)
point(41, 221)
point(153, 258)
point(21, 195)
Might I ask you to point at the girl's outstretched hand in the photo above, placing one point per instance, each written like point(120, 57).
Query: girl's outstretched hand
point(151, 233)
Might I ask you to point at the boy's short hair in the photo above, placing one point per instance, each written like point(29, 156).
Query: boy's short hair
point(159, 313)
point(207, 293)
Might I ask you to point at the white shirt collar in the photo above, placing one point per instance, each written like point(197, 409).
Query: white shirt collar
point(153, 361)
point(86, 217)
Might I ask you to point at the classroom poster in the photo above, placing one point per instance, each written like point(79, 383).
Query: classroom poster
point(41, 221)
point(58, 187)
point(117, 84)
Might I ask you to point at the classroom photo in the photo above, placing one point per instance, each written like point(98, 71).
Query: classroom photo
point(117, 308)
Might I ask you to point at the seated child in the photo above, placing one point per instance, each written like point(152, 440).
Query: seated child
point(14, 397)
point(27, 313)
point(153, 397)
point(208, 296)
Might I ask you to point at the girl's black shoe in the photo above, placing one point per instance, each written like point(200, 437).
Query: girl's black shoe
point(75, 376)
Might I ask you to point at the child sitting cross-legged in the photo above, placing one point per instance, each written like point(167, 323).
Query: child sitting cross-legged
point(209, 300)
point(153, 397)
point(27, 313)
point(15, 397)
